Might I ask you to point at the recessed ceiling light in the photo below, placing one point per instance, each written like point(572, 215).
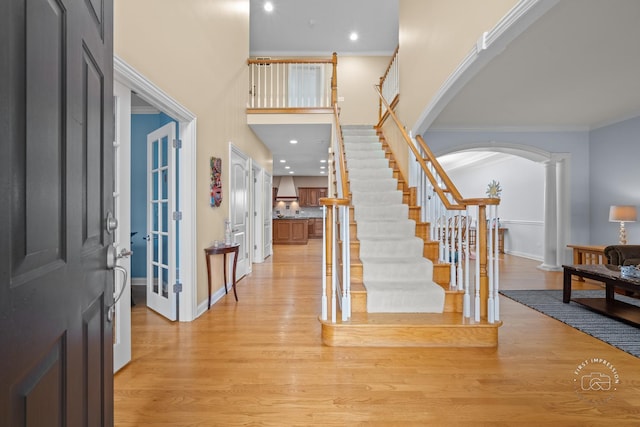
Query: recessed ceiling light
point(283, 161)
point(323, 161)
point(294, 141)
point(322, 167)
point(287, 167)
point(321, 171)
point(353, 36)
point(291, 172)
point(268, 6)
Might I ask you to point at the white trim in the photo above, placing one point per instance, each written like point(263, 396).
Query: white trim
point(525, 255)
point(155, 96)
point(519, 129)
point(489, 45)
point(148, 91)
point(314, 54)
point(525, 151)
point(521, 222)
point(138, 281)
point(144, 110)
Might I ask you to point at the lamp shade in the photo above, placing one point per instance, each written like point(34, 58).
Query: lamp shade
point(623, 214)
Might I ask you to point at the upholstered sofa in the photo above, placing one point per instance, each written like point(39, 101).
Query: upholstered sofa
point(622, 254)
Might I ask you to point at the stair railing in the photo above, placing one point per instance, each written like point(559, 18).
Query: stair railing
point(390, 86)
point(336, 242)
point(449, 214)
point(292, 84)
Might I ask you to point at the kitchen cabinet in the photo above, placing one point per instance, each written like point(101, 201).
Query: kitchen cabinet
point(310, 196)
point(290, 231)
point(315, 228)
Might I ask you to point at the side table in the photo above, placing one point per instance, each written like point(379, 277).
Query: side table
point(223, 250)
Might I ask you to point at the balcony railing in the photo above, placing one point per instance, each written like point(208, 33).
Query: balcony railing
point(292, 84)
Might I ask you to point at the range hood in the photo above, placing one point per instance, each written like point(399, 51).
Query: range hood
point(286, 189)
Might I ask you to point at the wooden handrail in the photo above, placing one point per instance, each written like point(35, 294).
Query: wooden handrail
point(458, 203)
point(419, 158)
point(382, 117)
point(341, 159)
point(291, 61)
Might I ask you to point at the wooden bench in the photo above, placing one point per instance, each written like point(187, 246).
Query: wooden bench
point(585, 254)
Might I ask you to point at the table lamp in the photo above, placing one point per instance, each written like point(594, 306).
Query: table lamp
point(623, 214)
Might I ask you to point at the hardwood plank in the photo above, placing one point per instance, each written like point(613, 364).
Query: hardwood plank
point(261, 362)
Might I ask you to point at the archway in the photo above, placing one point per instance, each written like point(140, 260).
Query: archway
point(556, 188)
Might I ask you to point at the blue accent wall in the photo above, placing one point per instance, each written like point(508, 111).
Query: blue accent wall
point(141, 126)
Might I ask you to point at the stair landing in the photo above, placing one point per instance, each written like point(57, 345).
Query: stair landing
point(410, 330)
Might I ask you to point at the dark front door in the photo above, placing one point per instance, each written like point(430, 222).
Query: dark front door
point(56, 179)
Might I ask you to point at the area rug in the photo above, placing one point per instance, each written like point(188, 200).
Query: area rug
point(549, 302)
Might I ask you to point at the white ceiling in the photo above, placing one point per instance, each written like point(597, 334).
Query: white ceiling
point(320, 27)
point(316, 28)
point(303, 158)
point(578, 66)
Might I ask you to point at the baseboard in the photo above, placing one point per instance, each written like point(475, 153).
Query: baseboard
point(138, 281)
point(215, 297)
point(525, 255)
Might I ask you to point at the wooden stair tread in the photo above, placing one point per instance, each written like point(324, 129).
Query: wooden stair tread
point(416, 319)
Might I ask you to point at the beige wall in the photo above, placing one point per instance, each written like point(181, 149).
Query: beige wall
point(356, 77)
point(435, 36)
point(196, 51)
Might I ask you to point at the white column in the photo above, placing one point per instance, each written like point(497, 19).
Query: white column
point(561, 198)
point(550, 218)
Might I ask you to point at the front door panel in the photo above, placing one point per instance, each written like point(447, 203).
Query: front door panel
point(56, 171)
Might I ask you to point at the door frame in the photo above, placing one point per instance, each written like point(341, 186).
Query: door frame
point(155, 96)
point(257, 224)
point(122, 210)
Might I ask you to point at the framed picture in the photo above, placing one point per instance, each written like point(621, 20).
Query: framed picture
point(216, 182)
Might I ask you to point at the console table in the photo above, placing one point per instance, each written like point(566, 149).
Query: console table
point(612, 279)
point(223, 250)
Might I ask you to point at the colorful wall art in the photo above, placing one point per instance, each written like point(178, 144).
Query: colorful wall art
point(216, 181)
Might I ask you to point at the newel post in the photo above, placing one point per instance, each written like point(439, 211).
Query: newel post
point(481, 235)
point(334, 79)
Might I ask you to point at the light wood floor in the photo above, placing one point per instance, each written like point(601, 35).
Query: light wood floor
point(260, 362)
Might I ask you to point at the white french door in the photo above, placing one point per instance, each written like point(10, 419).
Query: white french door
point(267, 215)
point(161, 226)
point(239, 208)
point(122, 234)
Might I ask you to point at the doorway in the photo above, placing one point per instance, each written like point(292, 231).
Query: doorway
point(185, 168)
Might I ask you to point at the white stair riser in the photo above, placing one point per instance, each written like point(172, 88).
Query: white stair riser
point(370, 173)
point(398, 229)
point(364, 155)
point(371, 198)
point(375, 163)
point(374, 269)
point(396, 248)
point(389, 212)
point(387, 184)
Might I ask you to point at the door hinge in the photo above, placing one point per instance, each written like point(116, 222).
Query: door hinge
point(177, 288)
point(255, 247)
point(177, 143)
point(177, 216)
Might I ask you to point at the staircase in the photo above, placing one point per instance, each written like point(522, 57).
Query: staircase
point(400, 293)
